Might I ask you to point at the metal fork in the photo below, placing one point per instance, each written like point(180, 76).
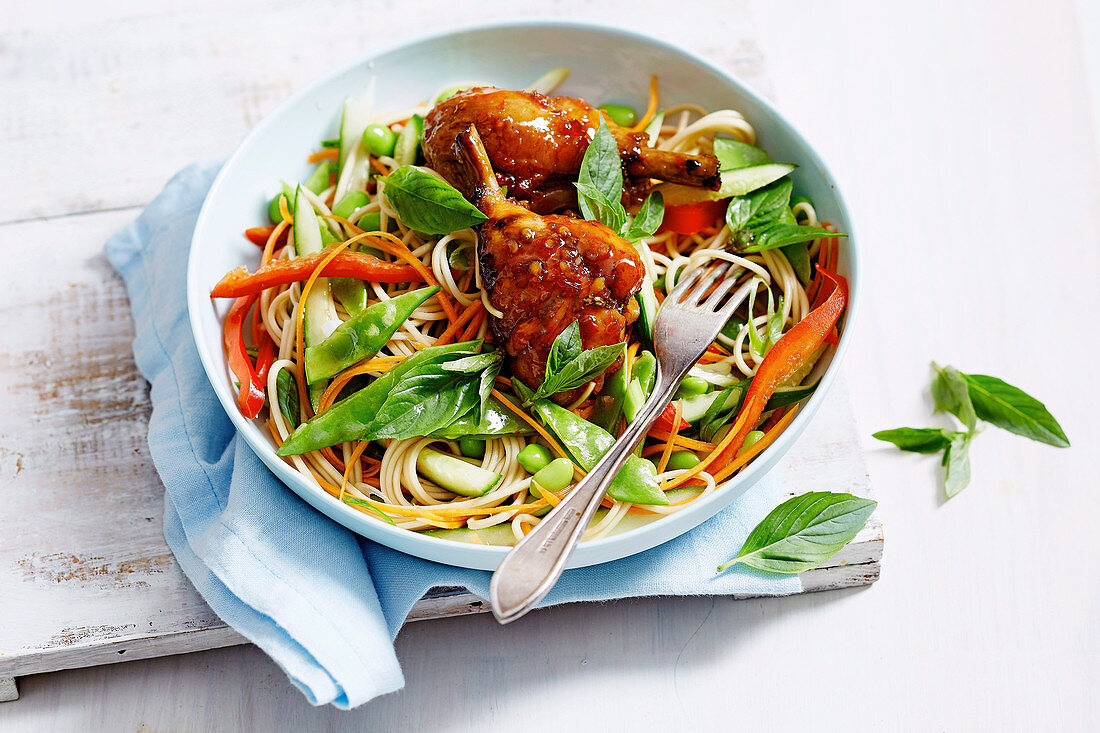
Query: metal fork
point(688, 321)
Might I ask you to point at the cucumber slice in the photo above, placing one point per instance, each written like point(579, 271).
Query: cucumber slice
point(734, 183)
point(353, 165)
point(319, 318)
point(694, 408)
point(653, 129)
point(647, 309)
point(734, 154)
point(454, 474)
point(408, 142)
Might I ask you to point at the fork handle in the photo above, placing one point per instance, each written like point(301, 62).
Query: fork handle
point(534, 565)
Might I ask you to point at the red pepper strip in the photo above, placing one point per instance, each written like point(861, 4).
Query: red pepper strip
point(266, 357)
point(692, 218)
point(250, 398)
point(259, 235)
point(665, 420)
point(240, 282)
point(785, 357)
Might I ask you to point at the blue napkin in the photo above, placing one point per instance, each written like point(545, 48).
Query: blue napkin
point(324, 603)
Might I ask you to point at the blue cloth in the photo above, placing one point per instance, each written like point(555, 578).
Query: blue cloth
point(322, 602)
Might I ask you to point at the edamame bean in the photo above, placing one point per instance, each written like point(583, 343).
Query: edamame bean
point(379, 140)
point(751, 439)
point(555, 476)
point(681, 460)
point(692, 386)
point(534, 458)
point(472, 448)
point(351, 201)
point(620, 114)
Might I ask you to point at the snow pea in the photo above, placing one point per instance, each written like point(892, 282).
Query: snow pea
point(353, 417)
point(635, 483)
point(609, 402)
point(643, 377)
point(362, 336)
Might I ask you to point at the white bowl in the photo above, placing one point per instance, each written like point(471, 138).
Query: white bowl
point(608, 65)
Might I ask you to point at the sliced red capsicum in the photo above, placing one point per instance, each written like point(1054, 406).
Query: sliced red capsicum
point(259, 235)
point(667, 419)
point(266, 356)
point(240, 282)
point(250, 397)
point(786, 356)
point(692, 218)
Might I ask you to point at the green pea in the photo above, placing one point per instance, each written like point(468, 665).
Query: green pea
point(751, 439)
point(534, 458)
point(379, 140)
point(472, 448)
point(556, 475)
point(351, 201)
point(620, 114)
point(692, 386)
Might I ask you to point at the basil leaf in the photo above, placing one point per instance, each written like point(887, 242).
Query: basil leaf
point(601, 167)
point(567, 346)
point(648, 218)
point(951, 393)
point(590, 364)
point(429, 204)
point(738, 213)
point(770, 202)
point(1014, 410)
point(917, 440)
point(595, 206)
point(803, 532)
point(781, 235)
point(957, 460)
point(287, 393)
point(734, 154)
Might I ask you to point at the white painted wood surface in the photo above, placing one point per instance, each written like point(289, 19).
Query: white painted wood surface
point(963, 134)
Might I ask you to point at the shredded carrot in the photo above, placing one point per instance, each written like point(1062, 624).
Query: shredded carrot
point(284, 211)
point(475, 324)
point(534, 423)
point(325, 154)
point(269, 247)
point(702, 465)
point(358, 451)
point(377, 364)
point(683, 441)
point(377, 165)
point(768, 439)
point(458, 323)
point(667, 452)
point(651, 108)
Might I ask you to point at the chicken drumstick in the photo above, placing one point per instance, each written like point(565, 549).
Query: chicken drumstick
point(545, 272)
point(535, 144)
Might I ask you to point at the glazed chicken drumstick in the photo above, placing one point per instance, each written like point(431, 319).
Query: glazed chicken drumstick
point(535, 144)
point(545, 272)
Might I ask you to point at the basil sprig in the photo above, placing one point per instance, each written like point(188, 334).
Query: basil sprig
point(763, 220)
point(970, 397)
point(600, 191)
point(569, 365)
point(427, 203)
point(803, 532)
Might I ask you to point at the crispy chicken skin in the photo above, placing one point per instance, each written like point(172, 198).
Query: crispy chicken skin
point(545, 272)
point(535, 144)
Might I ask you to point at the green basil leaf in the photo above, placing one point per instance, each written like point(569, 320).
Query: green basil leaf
point(567, 346)
point(595, 206)
point(423, 401)
point(590, 364)
point(917, 440)
point(951, 394)
point(648, 218)
point(738, 213)
point(957, 460)
point(734, 154)
point(287, 393)
point(1012, 409)
point(429, 204)
point(769, 202)
point(781, 235)
point(601, 167)
point(803, 532)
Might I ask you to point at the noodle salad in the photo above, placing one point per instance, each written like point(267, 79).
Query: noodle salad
point(375, 341)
